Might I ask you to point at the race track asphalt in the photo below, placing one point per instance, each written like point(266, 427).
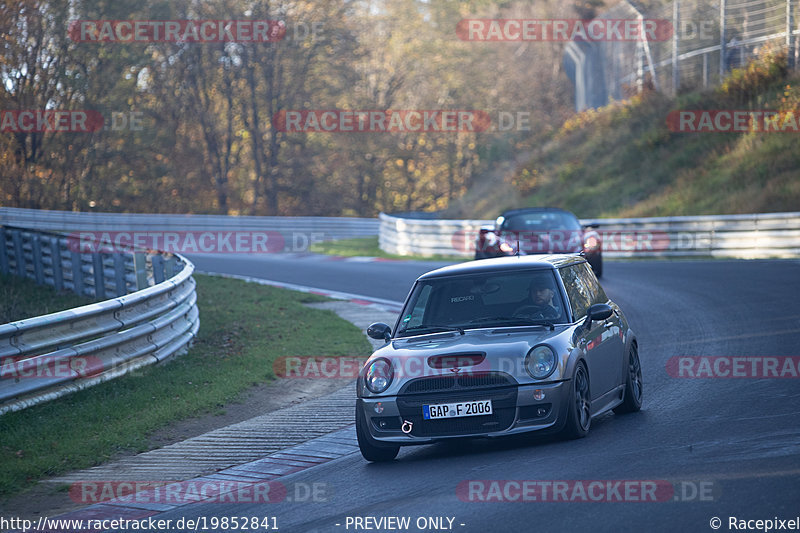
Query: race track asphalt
point(728, 447)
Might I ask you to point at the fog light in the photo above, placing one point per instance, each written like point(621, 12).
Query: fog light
point(379, 407)
point(541, 411)
point(538, 394)
point(382, 424)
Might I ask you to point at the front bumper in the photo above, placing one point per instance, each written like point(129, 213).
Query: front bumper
point(515, 411)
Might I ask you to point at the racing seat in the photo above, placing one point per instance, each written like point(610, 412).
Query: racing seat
point(459, 305)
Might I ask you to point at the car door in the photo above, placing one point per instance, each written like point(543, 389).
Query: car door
point(612, 337)
point(600, 340)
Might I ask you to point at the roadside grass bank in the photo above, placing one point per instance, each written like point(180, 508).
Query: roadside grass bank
point(244, 327)
point(22, 298)
point(368, 247)
point(625, 160)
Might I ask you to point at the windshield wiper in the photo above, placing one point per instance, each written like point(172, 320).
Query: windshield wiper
point(434, 326)
point(518, 319)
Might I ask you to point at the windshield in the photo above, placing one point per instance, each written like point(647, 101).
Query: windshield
point(541, 221)
point(483, 300)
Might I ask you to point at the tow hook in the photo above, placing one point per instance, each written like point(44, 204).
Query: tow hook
point(407, 427)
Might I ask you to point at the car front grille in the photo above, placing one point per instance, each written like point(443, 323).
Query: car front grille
point(458, 382)
point(504, 403)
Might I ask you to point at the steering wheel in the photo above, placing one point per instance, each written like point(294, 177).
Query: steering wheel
point(536, 312)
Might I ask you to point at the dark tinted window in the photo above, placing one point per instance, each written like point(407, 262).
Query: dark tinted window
point(578, 291)
point(479, 300)
point(598, 295)
point(541, 221)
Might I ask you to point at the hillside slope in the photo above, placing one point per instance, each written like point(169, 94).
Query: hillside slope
point(623, 160)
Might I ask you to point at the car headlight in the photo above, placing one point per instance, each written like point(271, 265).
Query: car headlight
point(540, 361)
point(379, 376)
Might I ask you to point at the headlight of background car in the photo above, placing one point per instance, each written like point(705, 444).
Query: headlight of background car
point(379, 376)
point(540, 361)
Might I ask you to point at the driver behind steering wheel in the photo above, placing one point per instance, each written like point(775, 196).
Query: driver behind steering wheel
point(540, 304)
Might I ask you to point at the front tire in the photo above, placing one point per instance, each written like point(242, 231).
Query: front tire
point(632, 401)
point(371, 450)
point(579, 411)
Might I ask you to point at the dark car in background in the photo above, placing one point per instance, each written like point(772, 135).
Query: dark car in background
point(540, 230)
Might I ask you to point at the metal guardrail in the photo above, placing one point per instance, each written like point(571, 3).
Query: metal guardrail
point(731, 236)
point(51, 259)
point(326, 228)
point(153, 317)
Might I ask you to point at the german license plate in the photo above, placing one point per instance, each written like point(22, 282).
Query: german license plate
point(457, 410)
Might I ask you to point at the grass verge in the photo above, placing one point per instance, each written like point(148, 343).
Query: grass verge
point(368, 247)
point(22, 298)
point(244, 328)
point(623, 160)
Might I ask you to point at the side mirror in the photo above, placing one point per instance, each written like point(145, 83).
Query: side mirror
point(380, 331)
point(597, 312)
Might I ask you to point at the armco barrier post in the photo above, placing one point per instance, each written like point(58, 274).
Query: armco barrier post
point(99, 278)
point(140, 270)
point(119, 274)
point(36, 250)
point(77, 273)
point(158, 268)
point(3, 251)
point(169, 267)
point(18, 253)
point(55, 253)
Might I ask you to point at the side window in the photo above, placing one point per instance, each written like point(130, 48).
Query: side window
point(578, 292)
point(598, 295)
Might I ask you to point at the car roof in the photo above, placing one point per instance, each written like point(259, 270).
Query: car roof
point(501, 264)
point(524, 210)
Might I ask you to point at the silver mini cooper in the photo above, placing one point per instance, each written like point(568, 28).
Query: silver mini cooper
point(497, 347)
